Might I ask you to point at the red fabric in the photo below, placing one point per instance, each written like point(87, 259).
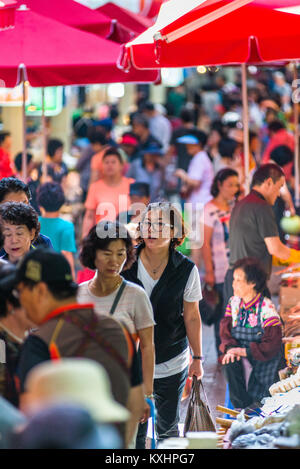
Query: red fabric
point(74, 14)
point(7, 14)
point(282, 137)
point(130, 20)
point(251, 34)
point(6, 169)
point(85, 275)
point(55, 54)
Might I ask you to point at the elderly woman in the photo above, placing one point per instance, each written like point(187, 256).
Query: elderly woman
point(108, 249)
point(20, 227)
point(251, 336)
point(172, 282)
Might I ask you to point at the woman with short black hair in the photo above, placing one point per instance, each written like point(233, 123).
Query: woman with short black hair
point(20, 227)
point(108, 249)
point(251, 336)
point(172, 282)
point(215, 249)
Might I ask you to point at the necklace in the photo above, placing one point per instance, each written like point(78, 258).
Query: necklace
point(154, 271)
point(93, 287)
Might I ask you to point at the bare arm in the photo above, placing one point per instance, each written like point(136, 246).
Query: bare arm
point(148, 354)
point(276, 248)
point(192, 321)
point(135, 405)
point(88, 222)
point(186, 179)
point(207, 256)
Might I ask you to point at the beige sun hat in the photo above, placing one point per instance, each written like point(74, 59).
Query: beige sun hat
point(78, 381)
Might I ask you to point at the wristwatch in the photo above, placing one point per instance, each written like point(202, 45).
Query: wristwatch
point(197, 357)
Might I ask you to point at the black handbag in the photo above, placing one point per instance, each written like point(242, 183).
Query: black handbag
point(209, 306)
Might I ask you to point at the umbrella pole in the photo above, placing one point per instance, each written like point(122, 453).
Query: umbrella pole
point(24, 152)
point(246, 127)
point(44, 136)
point(296, 133)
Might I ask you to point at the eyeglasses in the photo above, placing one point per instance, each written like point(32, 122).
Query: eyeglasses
point(154, 226)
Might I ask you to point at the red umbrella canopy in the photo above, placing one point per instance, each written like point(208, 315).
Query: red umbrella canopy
point(219, 32)
point(132, 21)
point(73, 14)
point(57, 55)
point(7, 14)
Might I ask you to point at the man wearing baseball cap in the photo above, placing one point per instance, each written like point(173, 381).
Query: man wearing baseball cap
point(68, 329)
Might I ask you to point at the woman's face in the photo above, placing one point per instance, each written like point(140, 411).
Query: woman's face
point(17, 240)
point(229, 188)
point(241, 288)
point(110, 261)
point(111, 166)
point(156, 230)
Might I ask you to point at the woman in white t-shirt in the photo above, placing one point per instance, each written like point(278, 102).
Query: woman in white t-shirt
point(108, 249)
point(173, 285)
point(215, 250)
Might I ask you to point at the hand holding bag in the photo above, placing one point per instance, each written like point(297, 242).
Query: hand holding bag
point(198, 417)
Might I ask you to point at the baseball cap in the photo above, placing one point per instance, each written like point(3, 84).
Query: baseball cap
point(40, 265)
point(64, 426)
point(141, 189)
point(153, 150)
point(188, 139)
point(129, 140)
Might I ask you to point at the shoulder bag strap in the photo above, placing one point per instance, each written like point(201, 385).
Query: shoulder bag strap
point(117, 298)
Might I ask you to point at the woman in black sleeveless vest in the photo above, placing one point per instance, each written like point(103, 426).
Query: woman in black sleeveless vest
point(173, 285)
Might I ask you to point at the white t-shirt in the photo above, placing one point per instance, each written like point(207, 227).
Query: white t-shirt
point(201, 169)
point(218, 220)
point(134, 307)
point(192, 292)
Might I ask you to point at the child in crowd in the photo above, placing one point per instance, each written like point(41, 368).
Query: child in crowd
point(62, 233)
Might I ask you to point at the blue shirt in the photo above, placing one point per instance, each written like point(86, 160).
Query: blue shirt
point(61, 232)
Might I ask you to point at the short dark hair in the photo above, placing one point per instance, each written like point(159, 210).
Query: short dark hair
point(266, 171)
point(98, 137)
point(254, 272)
point(141, 120)
point(176, 221)
point(17, 213)
point(12, 184)
point(50, 196)
point(92, 242)
point(6, 294)
point(282, 155)
point(112, 151)
point(186, 115)
point(219, 178)
point(53, 145)
point(3, 135)
point(276, 125)
point(18, 160)
point(227, 147)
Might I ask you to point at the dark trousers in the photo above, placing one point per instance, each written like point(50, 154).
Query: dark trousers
point(167, 397)
point(220, 312)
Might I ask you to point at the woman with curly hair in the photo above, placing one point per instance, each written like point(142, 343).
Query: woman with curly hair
point(108, 250)
point(172, 282)
point(20, 227)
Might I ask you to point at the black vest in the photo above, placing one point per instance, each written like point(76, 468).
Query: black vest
point(167, 302)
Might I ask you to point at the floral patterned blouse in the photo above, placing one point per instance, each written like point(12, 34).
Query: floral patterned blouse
point(236, 308)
